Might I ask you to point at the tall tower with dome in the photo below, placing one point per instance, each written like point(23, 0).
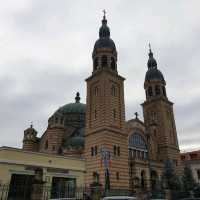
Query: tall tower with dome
point(105, 116)
point(159, 116)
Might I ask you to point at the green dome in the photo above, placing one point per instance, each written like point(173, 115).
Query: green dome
point(75, 142)
point(72, 108)
point(76, 107)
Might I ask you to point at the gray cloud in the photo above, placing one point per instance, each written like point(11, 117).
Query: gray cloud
point(46, 50)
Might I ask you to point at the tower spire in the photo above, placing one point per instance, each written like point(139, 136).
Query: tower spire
point(152, 61)
point(104, 14)
point(150, 52)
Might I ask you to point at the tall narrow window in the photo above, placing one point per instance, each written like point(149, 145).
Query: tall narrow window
point(118, 151)
point(150, 91)
point(198, 174)
point(157, 90)
point(115, 150)
point(117, 175)
point(104, 61)
point(95, 177)
point(92, 151)
point(113, 64)
point(95, 150)
point(61, 120)
point(95, 114)
point(95, 63)
point(96, 91)
point(164, 91)
point(46, 144)
point(56, 120)
point(114, 113)
point(113, 91)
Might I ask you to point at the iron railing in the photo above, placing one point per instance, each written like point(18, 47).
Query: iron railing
point(24, 192)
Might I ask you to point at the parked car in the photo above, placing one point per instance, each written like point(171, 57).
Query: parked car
point(120, 198)
point(64, 199)
point(191, 198)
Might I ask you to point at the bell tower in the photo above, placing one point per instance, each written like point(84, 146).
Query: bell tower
point(105, 117)
point(159, 116)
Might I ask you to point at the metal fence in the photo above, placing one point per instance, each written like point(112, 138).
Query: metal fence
point(24, 192)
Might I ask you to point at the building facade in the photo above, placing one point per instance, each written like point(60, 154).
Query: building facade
point(116, 153)
point(191, 159)
point(18, 170)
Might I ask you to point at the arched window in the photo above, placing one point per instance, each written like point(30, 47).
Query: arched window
point(113, 91)
point(157, 90)
point(96, 91)
point(104, 61)
point(113, 64)
point(95, 63)
point(150, 91)
point(136, 141)
point(137, 147)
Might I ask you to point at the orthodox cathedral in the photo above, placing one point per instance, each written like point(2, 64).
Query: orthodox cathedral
point(117, 153)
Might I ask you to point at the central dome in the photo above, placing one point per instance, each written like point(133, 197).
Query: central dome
point(71, 114)
point(72, 108)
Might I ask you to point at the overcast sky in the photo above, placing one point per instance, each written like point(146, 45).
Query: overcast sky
point(45, 56)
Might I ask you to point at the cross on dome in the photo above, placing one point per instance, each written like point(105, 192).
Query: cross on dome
point(104, 13)
point(136, 115)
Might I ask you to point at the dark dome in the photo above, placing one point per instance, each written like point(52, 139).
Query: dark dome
point(154, 74)
point(104, 30)
point(152, 63)
point(104, 42)
point(75, 142)
point(72, 108)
